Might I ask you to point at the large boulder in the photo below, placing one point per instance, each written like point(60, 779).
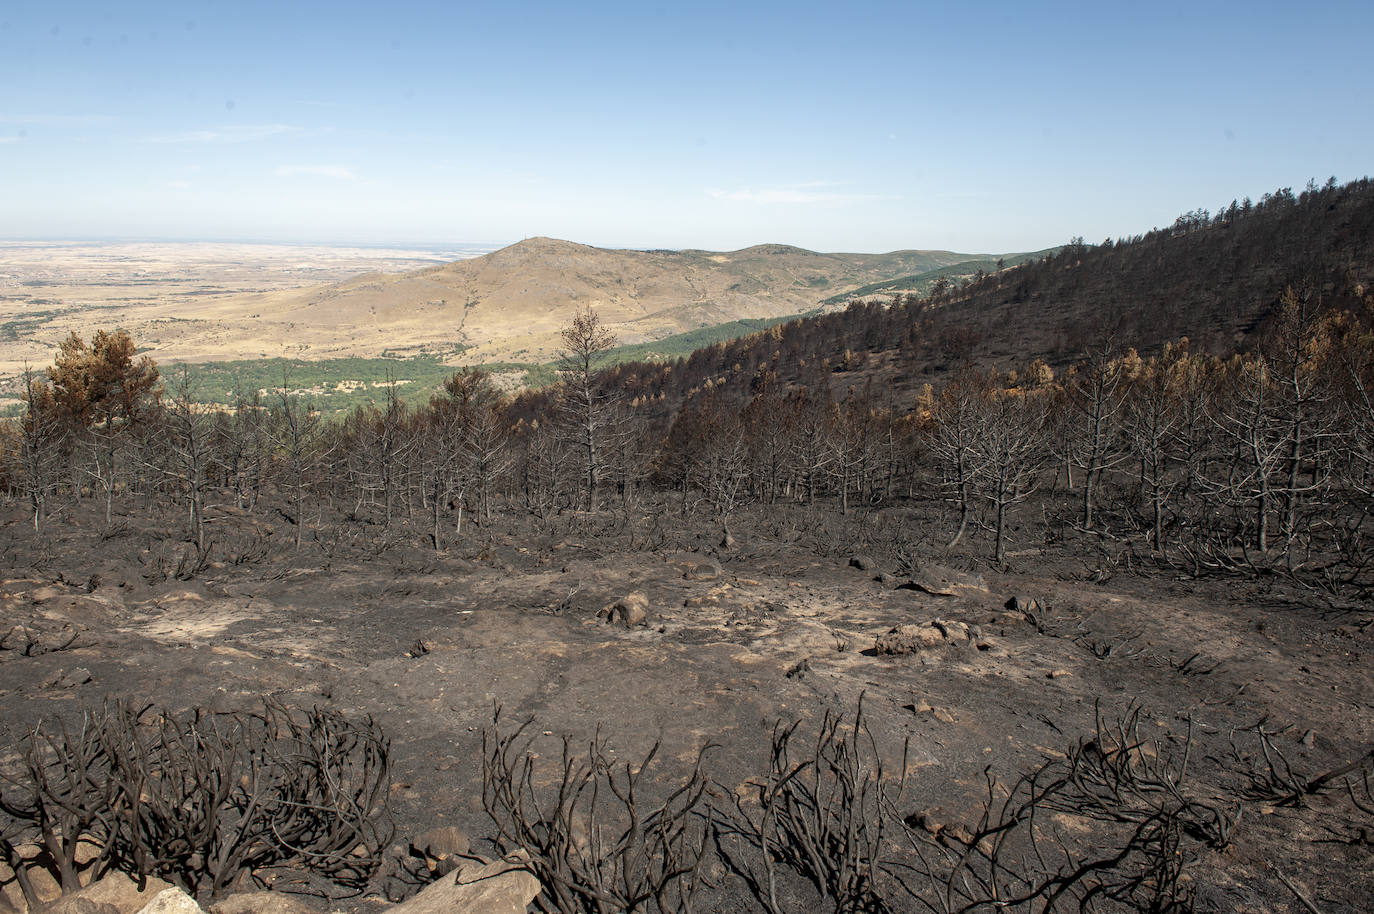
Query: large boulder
point(114, 889)
point(500, 887)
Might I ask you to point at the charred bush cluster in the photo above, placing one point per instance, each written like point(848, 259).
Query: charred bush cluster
point(834, 822)
point(1118, 822)
point(199, 799)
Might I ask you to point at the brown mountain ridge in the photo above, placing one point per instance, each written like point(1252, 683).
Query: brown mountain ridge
point(509, 304)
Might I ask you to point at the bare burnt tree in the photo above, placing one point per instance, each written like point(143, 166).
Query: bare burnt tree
point(811, 452)
point(485, 444)
point(1299, 352)
point(42, 431)
point(1354, 364)
point(245, 446)
point(299, 436)
point(587, 401)
point(1152, 419)
point(543, 468)
point(462, 449)
point(706, 454)
point(188, 452)
point(856, 422)
point(379, 444)
point(1095, 394)
point(954, 420)
point(769, 425)
point(1009, 451)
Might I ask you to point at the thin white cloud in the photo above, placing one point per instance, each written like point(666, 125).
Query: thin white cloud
point(795, 193)
point(238, 133)
point(8, 139)
point(337, 172)
point(57, 120)
point(179, 185)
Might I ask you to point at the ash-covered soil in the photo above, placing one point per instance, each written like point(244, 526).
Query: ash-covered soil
point(736, 638)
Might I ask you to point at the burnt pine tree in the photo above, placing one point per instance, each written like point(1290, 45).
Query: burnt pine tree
point(587, 403)
point(41, 433)
point(101, 390)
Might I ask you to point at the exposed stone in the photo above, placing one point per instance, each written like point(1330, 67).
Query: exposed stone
point(262, 903)
point(1023, 604)
point(939, 824)
point(629, 611)
point(711, 598)
point(77, 904)
point(1057, 674)
point(77, 677)
point(41, 595)
point(441, 848)
point(444, 841)
point(85, 611)
point(942, 581)
point(502, 887)
point(863, 563)
point(44, 886)
point(121, 892)
point(913, 637)
point(695, 567)
point(171, 901)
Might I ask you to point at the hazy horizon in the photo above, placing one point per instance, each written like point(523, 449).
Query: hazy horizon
point(878, 127)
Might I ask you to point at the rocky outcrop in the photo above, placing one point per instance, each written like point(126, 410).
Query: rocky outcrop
point(262, 903)
point(479, 887)
point(926, 636)
point(172, 901)
point(630, 610)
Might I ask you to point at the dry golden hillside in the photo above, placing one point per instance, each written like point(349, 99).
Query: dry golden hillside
point(507, 304)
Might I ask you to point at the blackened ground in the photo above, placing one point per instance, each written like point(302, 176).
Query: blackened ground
point(373, 622)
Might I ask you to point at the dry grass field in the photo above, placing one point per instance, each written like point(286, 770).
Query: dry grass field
point(179, 300)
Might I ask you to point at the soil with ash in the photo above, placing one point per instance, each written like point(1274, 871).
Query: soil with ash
point(777, 627)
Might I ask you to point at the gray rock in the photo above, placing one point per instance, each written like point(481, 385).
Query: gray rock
point(942, 581)
point(440, 842)
point(695, 567)
point(924, 636)
point(629, 611)
point(501, 887)
point(74, 904)
point(441, 848)
point(262, 903)
point(171, 901)
point(118, 891)
point(863, 563)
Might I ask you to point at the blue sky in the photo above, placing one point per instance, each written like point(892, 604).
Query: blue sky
point(863, 127)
